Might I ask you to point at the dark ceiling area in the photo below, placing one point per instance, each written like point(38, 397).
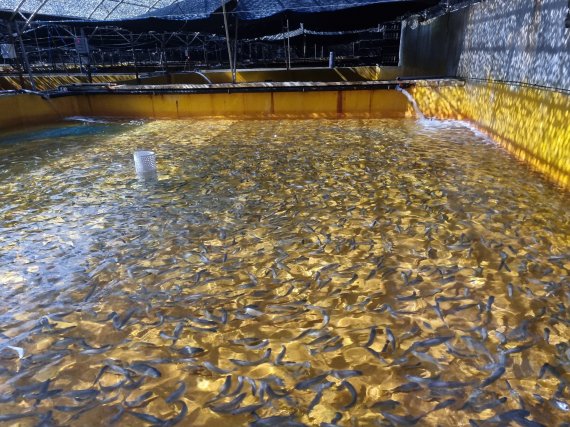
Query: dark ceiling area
point(254, 18)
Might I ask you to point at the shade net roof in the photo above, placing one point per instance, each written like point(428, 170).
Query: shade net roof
point(115, 9)
point(324, 15)
point(256, 17)
point(259, 9)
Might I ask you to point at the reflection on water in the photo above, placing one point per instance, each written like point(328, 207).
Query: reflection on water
point(339, 272)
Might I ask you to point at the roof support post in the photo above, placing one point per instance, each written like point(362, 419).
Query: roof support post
point(18, 56)
point(132, 43)
point(288, 47)
point(228, 38)
point(234, 70)
point(25, 57)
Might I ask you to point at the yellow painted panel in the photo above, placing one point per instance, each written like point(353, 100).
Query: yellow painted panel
point(375, 103)
point(258, 104)
point(391, 103)
point(306, 104)
point(529, 122)
point(139, 106)
point(25, 109)
point(211, 105)
point(165, 106)
point(357, 102)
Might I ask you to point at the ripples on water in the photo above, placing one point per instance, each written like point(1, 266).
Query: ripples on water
point(352, 272)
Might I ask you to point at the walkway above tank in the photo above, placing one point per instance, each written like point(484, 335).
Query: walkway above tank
point(114, 88)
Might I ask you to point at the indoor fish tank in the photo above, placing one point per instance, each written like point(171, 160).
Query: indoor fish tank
point(279, 272)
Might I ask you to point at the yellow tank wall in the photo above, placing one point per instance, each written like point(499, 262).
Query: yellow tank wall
point(531, 123)
point(25, 110)
point(365, 103)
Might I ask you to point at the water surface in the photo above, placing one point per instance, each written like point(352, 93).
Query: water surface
point(357, 272)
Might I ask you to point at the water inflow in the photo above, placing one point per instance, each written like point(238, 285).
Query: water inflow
point(351, 273)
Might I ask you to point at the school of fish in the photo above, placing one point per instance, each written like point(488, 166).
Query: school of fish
point(280, 273)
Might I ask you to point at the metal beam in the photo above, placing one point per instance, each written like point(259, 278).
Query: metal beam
point(153, 6)
point(96, 9)
point(228, 37)
point(33, 15)
point(17, 9)
point(119, 3)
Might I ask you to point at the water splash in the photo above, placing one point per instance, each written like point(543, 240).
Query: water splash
point(410, 98)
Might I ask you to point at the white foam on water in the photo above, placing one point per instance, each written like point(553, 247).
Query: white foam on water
point(86, 119)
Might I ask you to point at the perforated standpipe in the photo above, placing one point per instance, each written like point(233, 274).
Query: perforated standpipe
point(145, 164)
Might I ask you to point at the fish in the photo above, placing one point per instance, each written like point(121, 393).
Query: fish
point(547, 335)
point(509, 415)
point(407, 388)
point(385, 405)
point(175, 334)
point(376, 355)
point(371, 274)
point(489, 305)
point(81, 395)
point(345, 373)
point(391, 338)
point(445, 404)
point(88, 349)
point(247, 409)
point(118, 322)
point(448, 384)
point(316, 400)
point(399, 420)
point(139, 401)
point(263, 359)
point(12, 417)
point(68, 408)
point(277, 421)
point(498, 373)
point(430, 342)
point(176, 394)
point(190, 351)
point(560, 404)
point(148, 418)
point(353, 395)
point(213, 368)
point(145, 370)
point(310, 382)
point(227, 408)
